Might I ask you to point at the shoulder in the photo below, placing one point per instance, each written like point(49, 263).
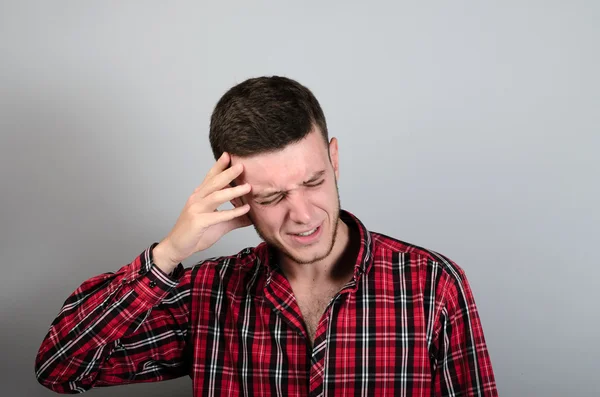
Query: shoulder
point(433, 276)
point(419, 258)
point(230, 270)
point(243, 260)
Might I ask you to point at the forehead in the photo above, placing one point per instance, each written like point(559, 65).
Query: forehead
point(291, 165)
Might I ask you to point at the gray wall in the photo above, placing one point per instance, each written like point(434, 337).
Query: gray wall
point(464, 127)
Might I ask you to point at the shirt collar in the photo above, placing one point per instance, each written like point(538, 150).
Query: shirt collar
point(364, 259)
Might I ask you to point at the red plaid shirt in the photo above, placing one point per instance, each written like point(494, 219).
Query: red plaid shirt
point(406, 324)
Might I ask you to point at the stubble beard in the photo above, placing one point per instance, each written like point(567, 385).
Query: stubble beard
point(282, 250)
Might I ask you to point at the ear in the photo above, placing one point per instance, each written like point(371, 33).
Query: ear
point(334, 157)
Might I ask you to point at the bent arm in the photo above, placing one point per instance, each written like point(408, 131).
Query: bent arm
point(118, 328)
point(462, 366)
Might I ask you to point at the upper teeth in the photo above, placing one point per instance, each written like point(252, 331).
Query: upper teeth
point(308, 233)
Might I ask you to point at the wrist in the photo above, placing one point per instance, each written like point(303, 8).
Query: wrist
point(163, 259)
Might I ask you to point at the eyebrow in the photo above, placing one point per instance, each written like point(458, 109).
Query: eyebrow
point(312, 179)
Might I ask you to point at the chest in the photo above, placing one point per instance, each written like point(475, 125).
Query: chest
point(255, 346)
point(312, 303)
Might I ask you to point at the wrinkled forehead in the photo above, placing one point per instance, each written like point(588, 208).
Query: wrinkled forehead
point(280, 171)
point(291, 165)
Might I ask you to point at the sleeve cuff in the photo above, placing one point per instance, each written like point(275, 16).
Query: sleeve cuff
point(149, 281)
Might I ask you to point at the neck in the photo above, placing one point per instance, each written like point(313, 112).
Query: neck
point(338, 266)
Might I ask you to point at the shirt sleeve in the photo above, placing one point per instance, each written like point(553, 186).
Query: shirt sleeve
point(119, 328)
point(462, 365)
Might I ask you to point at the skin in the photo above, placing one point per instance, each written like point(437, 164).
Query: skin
point(294, 190)
point(281, 193)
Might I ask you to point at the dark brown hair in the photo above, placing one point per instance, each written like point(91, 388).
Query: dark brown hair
point(264, 114)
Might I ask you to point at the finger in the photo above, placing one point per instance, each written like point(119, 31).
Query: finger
point(242, 221)
point(215, 199)
point(220, 180)
point(235, 223)
point(226, 215)
point(221, 164)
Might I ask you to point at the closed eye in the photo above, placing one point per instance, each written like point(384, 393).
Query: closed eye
point(277, 199)
point(315, 184)
point(280, 197)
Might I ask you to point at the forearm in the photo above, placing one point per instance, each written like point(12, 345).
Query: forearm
point(92, 322)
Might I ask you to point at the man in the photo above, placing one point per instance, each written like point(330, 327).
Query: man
point(322, 307)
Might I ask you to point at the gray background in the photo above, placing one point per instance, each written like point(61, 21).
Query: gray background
point(467, 128)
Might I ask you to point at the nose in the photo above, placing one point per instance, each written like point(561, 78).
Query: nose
point(299, 208)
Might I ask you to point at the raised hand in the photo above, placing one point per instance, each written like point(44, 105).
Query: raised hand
point(200, 223)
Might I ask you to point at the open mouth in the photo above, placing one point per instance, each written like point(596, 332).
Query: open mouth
point(308, 233)
point(307, 236)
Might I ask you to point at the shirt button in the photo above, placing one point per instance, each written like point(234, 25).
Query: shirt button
point(142, 272)
point(152, 284)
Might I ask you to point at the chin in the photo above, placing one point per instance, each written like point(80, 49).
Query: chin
point(307, 258)
point(310, 254)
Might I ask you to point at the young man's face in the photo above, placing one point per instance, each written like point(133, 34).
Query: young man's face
point(294, 192)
